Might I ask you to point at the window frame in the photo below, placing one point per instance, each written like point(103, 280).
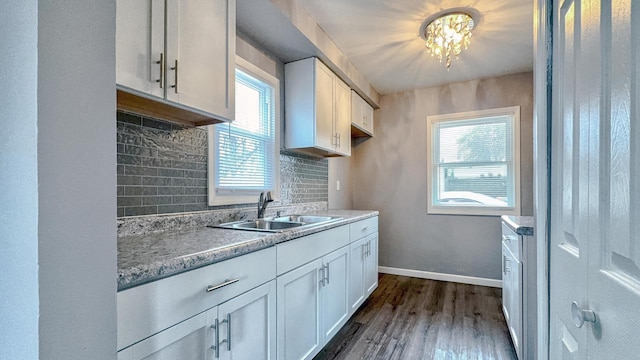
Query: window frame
point(514, 113)
point(212, 169)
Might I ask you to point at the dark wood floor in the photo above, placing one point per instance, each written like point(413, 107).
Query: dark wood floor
point(408, 318)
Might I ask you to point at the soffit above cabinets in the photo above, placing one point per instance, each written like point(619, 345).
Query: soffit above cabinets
point(381, 38)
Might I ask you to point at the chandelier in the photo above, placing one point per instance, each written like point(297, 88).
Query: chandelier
point(447, 35)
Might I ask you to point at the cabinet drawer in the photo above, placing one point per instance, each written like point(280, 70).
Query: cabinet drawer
point(150, 308)
point(363, 228)
point(300, 251)
point(513, 241)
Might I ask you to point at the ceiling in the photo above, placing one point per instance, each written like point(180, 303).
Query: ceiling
point(381, 38)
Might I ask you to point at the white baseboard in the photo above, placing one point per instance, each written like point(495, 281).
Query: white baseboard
point(440, 276)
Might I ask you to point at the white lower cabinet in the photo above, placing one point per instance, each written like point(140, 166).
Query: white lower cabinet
point(363, 274)
point(241, 328)
point(284, 302)
point(192, 339)
point(299, 306)
point(335, 292)
point(312, 305)
point(248, 325)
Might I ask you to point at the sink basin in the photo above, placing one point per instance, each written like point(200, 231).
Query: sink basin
point(307, 219)
point(278, 224)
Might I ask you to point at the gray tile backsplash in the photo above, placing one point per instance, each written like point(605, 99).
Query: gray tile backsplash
point(162, 168)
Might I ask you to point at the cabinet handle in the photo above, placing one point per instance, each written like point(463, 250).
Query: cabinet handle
point(216, 339)
point(327, 273)
point(506, 238)
point(321, 270)
point(229, 332)
point(228, 339)
point(211, 288)
point(365, 228)
point(339, 140)
point(175, 76)
point(161, 63)
point(505, 262)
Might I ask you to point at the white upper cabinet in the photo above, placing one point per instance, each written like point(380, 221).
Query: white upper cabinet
point(361, 116)
point(317, 105)
point(188, 64)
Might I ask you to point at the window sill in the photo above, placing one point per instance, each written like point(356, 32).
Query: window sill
point(472, 211)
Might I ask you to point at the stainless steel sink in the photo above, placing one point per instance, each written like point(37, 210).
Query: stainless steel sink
point(307, 219)
point(278, 224)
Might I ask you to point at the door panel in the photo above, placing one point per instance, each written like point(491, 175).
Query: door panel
point(335, 293)
point(568, 191)
point(614, 252)
point(371, 264)
point(200, 39)
point(251, 325)
point(189, 340)
point(356, 275)
point(139, 43)
point(298, 316)
point(606, 132)
point(343, 117)
point(325, 87)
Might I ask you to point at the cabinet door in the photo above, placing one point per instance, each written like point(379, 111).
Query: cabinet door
point(371, 263)
point(343, 118)
point(356, 110)
point(367, 117)
point(250, 326)
point(140, 45)
point(191, 339)
point(201, 55)
point(298, 316)
point(335, 292)
point(325, 86)
point(356, 275)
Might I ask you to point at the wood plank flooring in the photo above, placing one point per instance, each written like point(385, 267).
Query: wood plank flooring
point(408, 318)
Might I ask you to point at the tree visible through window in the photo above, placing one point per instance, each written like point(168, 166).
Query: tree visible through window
point(473, 161)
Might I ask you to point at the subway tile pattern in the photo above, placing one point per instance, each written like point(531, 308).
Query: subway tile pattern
point(162, 168)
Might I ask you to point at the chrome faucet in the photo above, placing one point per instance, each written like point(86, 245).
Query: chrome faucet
point(265, 199)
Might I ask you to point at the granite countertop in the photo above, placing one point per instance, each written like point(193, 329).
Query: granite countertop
point(149, 257)
point(522, 225)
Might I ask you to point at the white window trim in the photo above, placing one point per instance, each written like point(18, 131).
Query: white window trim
point(216, 200)
point(513, 111)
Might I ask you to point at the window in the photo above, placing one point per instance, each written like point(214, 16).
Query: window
point(474, 162)
point(243, 155)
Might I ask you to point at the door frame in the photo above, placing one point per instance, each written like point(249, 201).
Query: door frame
point(542, 73)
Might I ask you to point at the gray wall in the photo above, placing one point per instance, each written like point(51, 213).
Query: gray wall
point(77, 178)
point(340, 170)
point(19, 182)
point(389, 175)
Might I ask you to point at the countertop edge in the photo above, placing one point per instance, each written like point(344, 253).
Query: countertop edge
point(518, 227)
point(158, 270)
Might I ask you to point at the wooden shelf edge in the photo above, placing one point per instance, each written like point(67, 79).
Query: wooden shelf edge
point(143, 106)
point(356, 132)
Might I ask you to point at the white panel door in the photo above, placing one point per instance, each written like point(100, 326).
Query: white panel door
point(371, 263)
point(356, 110)
point(595, 242)
point(335, 292)
point(298, 316)
point(201, 55)
point(191, 339)
point(343, 118)
point(367, 117)
point(614, 177)
point(140, 46)
point(325, 107)
point(249, 328)
point(356, 275)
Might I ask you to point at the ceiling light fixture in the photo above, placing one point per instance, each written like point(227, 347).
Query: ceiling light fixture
point(447, 35)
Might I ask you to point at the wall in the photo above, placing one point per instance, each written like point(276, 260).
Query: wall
point(340, 170)
point(162, 167)
point(77, 179)
point(19, 168)
point(389, 175)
